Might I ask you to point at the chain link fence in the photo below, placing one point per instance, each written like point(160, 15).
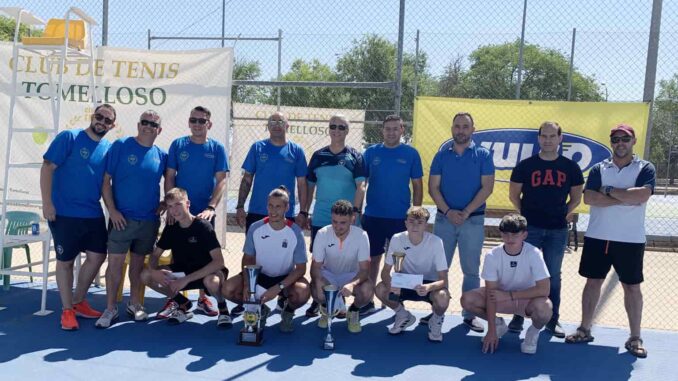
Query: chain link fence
point(468, 49)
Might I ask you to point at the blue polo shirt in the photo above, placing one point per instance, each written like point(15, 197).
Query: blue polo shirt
point(196, 166)
point(460, 174)
point(389, 171)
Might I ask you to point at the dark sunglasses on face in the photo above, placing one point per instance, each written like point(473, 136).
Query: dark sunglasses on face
point(106, 120)
point(151, 123)
point(617, 139)
point(198, 120)
point(341, 127)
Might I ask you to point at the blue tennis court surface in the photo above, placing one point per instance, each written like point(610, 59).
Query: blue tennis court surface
point(35, 348)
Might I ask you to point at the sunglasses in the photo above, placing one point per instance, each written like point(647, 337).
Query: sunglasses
point(106, 120)
point(151, 123)
point(276, 122)
point(617, 139)
point(198, 120)
point(341, 127)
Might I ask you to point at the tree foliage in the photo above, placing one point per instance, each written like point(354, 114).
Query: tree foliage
point(8, 25)
point(247, 70)
point(664, 127)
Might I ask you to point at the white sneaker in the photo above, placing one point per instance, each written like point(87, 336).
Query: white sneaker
point(501, 326)
point(435, 325)
point(107, 318)
point(137, 311)
point(402, 321)
point(179, 316)
point(529, 345)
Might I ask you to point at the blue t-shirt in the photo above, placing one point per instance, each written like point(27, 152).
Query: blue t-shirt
point(460, 175)
point(76, 185)
point(389, 171)
point(335, 179)
point(196, 166)
point(273, 166)
point(136, 171)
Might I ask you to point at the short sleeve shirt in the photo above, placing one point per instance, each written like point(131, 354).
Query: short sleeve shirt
point(276, 251)
point(340, 257)
point(515, 272)
point(190, 246)
point(426, 258)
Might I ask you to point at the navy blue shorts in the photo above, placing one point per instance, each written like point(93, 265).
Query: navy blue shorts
point(380, 230)
point(73, 235)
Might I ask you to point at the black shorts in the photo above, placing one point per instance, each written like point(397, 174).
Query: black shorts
point(599, 255)
point(197, 284)
point(380, 230)
point(407, 294)
point(314, 232)
point(73, 235)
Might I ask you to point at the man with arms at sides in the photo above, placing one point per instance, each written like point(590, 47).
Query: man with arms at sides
point(70, 185)
point(516, 282)
point(196, 253)
point(131, 192)
point(461, 179)
point(199, 165)
point(539, 190)
point(277, 245)
point(341, 257)
point(335, 172)
point(390, 167)
point(424, 254)
point(617, 190)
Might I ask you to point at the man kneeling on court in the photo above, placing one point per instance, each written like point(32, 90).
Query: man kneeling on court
point(516, 282)
point(277, 245)
point(197, 263)
point(424, 255)
point(341, 257)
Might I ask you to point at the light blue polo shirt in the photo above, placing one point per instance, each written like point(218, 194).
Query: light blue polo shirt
point(460, 174)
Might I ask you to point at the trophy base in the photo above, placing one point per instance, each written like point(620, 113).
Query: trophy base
point(328, 345)
point(253, 339)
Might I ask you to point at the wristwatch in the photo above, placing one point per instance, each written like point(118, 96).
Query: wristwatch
point(281, 285)
point(210, 208)
point(608, 189)
point(305, 214)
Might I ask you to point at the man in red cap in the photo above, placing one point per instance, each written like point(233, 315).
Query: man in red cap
point(617, 190)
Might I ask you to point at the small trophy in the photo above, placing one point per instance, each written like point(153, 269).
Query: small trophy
point(398, 258)
point(252, 333)
point(331, 292)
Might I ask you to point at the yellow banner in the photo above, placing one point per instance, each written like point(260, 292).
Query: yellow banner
point(509, 129)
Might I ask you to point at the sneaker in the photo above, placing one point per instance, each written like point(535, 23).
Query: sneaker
point(83, 309)
point(402, 321)
point(179, 316)
point(501, 327)
point(167, 310)
point(68, 320)
point(286, 322)
point(312, 310)
point(529, 345)
point(435, 326)
point(516, 324)
point(224, 321)
point(367, 309)
point(237, 310)
point(354, 322)
point(205, 306)
point(280, 305)
point(137, 311)
point(556, 330)
point(424, 320)
point(474, 325)
point(108, 317)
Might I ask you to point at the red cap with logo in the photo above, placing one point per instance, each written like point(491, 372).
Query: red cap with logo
point(625, 128)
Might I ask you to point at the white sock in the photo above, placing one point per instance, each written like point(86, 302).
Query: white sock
point(499, 320)
point(532, 330)
point(400, 310)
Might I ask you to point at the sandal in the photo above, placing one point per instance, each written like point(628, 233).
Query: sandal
point(582, 335)
point(635, 347)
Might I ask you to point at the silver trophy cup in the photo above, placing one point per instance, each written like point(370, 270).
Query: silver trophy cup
point(252, 332)
point(398, 259)
point(331, 292)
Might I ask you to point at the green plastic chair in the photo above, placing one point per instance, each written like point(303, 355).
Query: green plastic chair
point(18, 223)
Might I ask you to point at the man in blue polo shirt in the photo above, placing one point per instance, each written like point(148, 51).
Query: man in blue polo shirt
point(131, 191)
point(199, 165)
point(460, 180)
point(70, 185)
point(390, 167)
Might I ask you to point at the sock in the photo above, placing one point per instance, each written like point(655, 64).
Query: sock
point(222, 306)
point(353, 308)
point(499, 321)
point(181, 299)
point(288, 308)
point(400, 309)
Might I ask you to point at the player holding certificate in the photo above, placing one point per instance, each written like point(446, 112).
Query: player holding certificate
point(424, 257)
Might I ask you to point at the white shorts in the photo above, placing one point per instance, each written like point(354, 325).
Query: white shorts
point(338, 280)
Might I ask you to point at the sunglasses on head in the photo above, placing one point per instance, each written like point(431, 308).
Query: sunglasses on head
point(106, 120)
point(341, 127)
point(151, 123)
point(617, 139)
point(198, 120)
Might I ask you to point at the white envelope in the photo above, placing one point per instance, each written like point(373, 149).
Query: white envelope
point(177, 275)
point(400, 280)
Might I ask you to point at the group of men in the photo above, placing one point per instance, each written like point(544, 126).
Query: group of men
point(522, 275)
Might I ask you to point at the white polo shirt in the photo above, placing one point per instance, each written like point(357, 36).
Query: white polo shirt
point(515, 272)
point(427, 258)
point(276, 251)
point(338, 256)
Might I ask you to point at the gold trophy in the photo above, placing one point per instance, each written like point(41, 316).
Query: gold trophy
point(398, 258)
point(331, 292)
point(253, 332)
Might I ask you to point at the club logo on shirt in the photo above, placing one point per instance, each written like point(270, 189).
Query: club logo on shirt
point(330, 245)
point(183, 156)
point(192, 240)
point(132, 159)
point(84, 152)
point(407, 247)
point(209, 155)
point(263, 157)
point(376, 161)
point(342, 162)
point(402, 161)
point(514, 263)
point(265, 236)
point(60, 249)
point(284, 244)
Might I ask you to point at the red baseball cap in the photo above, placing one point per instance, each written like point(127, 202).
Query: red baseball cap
point(625, 128)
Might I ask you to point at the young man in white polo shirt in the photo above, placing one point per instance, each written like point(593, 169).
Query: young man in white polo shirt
point(278, 246)
point(425, 255)
point(516, 282)
point(341, 257)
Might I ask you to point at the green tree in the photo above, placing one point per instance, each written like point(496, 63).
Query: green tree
point(247, 70)
point(7, 26)
point(664, 129)
point(311, 96)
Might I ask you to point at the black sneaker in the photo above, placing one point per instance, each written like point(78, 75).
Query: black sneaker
point(556, 330)
point(313, 309)
point(367, 309)
point(516, 324)
point(474, 325)
point(237, 310)
point(425, 319)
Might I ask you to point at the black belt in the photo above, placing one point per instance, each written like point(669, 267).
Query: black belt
point(470, 215)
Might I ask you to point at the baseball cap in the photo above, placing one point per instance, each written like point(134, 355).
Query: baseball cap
point(625, 128)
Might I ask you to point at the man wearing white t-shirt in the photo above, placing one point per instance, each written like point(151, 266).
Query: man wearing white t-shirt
point(277, 245)
point(516, 282)
point(341, 257)
point(424, 255)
